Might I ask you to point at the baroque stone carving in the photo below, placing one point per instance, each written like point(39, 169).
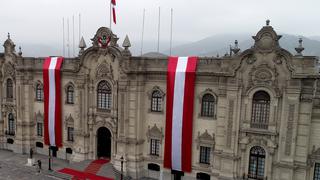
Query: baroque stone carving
point(69, 121)
point(155, 133)
point(251, 59)
point(230, 123)
point(205, 139)
point(39, 117)
point(264, 75)
point(104, 70)
point(156, 88)
point(266, 40)
point(104, 38)
point(314, 156)
point(289, 130)
point(278, 59)
point(8, 70)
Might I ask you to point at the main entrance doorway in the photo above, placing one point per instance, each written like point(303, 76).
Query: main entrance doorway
point(103, 143)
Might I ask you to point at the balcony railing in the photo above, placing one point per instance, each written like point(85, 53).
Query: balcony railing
point(9, 133)
point(259, 125)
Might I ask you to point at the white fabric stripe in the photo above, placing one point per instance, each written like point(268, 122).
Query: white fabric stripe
point(177, 114)
point(52, 100)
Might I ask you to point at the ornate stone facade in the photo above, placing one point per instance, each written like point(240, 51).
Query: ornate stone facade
point(289, 136)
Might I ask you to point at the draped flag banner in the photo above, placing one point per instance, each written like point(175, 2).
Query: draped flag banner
point(52, 101)
point(113, 4)
point(179, 114)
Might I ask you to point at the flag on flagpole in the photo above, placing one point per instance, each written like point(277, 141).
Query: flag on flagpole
point(179, 114)
point(52, 101)
point(113, 4)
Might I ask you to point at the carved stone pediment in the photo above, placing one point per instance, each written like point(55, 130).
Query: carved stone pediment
point(69, 121)
point(104, 70)
point(155, 133)
point(205, 139)
point(156, 88)
point(39, 117)
point(266, 40)
point(314, 156)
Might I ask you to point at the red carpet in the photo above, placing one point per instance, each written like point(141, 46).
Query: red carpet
point(90, 171)
point(82, 175)
point(95, 166)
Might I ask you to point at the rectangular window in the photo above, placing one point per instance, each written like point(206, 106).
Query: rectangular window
point(154, 147)
point(70, 134)
point(316, 171)
point(205, 155)
point(39, 129)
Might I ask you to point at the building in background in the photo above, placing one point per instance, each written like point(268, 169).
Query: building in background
point(256, 112)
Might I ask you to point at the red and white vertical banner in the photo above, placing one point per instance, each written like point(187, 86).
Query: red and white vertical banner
point(52, 101)
point(179, 115)
point(113, 6)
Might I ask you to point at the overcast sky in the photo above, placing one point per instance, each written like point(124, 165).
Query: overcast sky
point(40, 21)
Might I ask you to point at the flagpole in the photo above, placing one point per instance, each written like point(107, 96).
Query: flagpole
point(143, 18)
point(171, 31)
point(158, 32)
point(68, 44)
point(110, 16)
point(73, 43)
point(79, 27)
point(63, 43)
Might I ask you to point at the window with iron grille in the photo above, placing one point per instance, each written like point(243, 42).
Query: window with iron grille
point(316, 175)
point(205, 155)
point(39, 129)
point(39, 92)
point(104, 95)
point(9, 89)
point(260, 110)
point(207, 105)
point(70, 95)
point(154, 147)
point(70, 133)
point(11, 124)
point(256, 163)
point(156, 101)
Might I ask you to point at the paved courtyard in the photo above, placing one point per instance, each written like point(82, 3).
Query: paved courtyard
point(13, 166)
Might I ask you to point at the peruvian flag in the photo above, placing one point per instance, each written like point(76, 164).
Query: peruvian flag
point(113, 4)
point(52, 101)
point(179, 115)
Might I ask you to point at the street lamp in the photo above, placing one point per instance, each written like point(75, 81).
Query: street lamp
point(121, 175)
point(49, 168)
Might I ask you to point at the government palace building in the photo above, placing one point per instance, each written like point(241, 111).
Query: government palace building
point(256, 111)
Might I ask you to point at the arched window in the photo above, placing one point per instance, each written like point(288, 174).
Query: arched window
point(156, 101)
point(256, 163)
point(11, 124)
point(207, 105)
point(9, 89)
point(70, 94)
point(260, 110)
point(39, 92)
point(104, 95)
